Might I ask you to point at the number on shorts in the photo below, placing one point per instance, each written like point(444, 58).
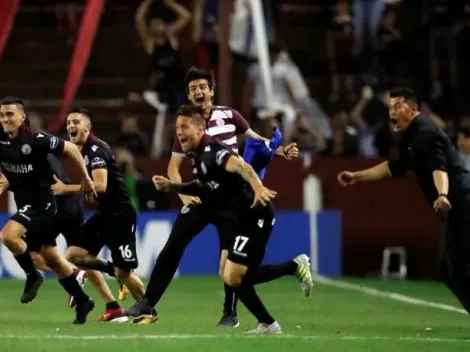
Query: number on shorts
point(240, 243)
point(24, 209)
point(125, 251)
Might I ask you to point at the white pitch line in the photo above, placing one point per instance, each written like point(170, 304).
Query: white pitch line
point(385, 294)
point(213, 336)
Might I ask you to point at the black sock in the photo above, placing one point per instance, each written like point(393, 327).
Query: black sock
point(72, 287)
point(231, 299)
point(266, 273)
point(112, 305)
point(249, 297)
point(96, 264)
point(26, 263)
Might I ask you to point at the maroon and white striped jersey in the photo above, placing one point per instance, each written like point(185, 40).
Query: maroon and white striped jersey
point(225, 124)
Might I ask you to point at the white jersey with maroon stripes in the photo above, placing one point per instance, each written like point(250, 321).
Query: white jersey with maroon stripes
point(225, 124)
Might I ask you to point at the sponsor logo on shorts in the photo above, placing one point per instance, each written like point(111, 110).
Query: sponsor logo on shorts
point(185, 209)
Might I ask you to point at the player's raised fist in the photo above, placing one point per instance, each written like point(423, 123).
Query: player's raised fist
point(161, 183)
point(346, 178)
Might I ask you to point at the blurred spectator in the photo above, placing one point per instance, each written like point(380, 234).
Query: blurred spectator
point(303, 136)
point(389, 46)
point(441, 16)
point(242, 38)
point(340, 50)
point(464, 46)
point(131, 175)
point(344, 140)
point(160, 42)
point(367, 12)
point(35, 122)
point(305, 104)
point(132, 138)
point(463, 144)
point(67, 14)
point(206, 37)
point(254, 91)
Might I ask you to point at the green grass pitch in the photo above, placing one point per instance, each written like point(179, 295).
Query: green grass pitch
point(332, 319)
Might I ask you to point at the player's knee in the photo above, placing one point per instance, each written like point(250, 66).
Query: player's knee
point(54, 262)
point(74, 255)
point(122, 274)
point(233, 279)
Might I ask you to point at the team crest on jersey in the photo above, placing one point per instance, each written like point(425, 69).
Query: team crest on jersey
point(26, 149)
point(184, 209)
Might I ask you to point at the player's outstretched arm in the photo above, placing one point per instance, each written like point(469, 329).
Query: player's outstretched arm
point(376, 173)
point(289, 151)
point(193, 188)
point(174, 174)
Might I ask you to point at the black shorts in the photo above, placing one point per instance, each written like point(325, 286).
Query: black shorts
point(226, 225)
point(69, 225)
point(117, 232)
point(194, 218)
point(253, 232)
point(38, 219)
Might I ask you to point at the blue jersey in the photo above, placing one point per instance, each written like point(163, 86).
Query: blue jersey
point(259, 153)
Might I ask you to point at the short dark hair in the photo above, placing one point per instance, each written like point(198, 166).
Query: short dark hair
point(81, 111)
point(12, 101)
point(192, 111)
point(409, 94)
point(195, 73)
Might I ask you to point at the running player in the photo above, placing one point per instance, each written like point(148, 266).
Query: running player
point(226, 124)
point(28, 173)
point(114, 223)
point(223, 182)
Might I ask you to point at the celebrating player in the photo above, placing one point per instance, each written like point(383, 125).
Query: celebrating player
point(114, 223)
point(226, 124)
point(28, 173)
point(220, 186)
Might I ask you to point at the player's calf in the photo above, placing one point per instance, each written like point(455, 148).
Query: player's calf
point(133, 283)
point(11, 236)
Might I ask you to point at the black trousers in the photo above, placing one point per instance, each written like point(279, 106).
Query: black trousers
point(454, 259)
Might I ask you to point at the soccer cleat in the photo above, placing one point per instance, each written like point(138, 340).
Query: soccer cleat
point(263, 328)
point(31, 286)
point(82, 309)
point(123, 291)
point(303, 274)
point(114, 316)
point(228, 320)
point(141, 309)
point(81, 277)
point(147, 319)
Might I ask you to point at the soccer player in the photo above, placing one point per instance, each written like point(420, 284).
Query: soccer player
point(26, 167)
point(427, 150)
point(114, 223)
point(226, 124)
point(225, 181)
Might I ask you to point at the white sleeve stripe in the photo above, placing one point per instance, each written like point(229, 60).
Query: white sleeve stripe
point(248, 131)
point(179, 154)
